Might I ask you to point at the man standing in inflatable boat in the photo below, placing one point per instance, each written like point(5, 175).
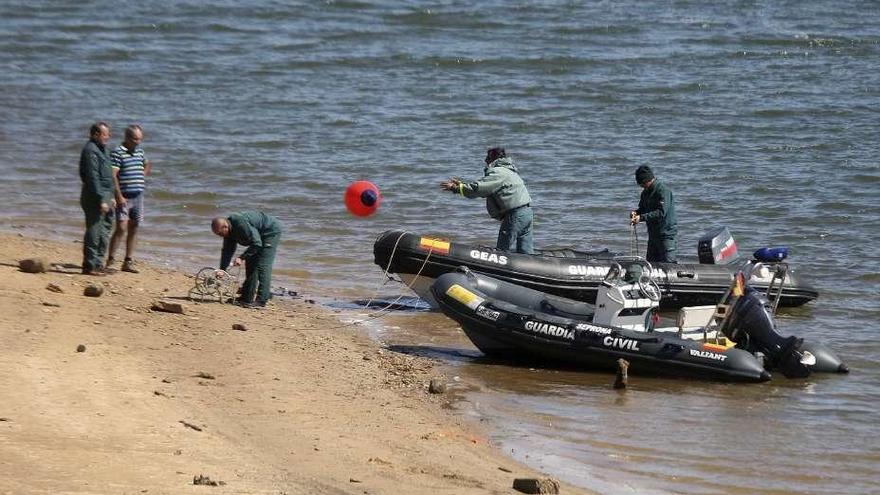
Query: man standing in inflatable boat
point(657, 210)
point(507, 199)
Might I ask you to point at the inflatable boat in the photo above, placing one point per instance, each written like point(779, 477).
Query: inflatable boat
point(735, 340)
point(418, 260)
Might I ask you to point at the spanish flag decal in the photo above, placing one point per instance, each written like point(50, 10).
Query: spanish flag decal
point(739, 285)
point(434, 245)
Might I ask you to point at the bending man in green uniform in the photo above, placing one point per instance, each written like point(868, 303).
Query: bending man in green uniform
point(96, 198)
point(657, 210)
point(261, 234)
point(507, 199)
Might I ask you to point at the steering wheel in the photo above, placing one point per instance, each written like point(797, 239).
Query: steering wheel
point(649, 288)
point(614, 272)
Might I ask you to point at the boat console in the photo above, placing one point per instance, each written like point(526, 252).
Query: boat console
point(628, 297)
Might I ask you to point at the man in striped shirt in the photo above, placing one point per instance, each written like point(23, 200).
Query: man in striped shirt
point(130, 167)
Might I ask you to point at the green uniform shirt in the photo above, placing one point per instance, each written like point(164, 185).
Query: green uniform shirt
point(96, 174)
point(254, 229)
point(502, 187)
point(657, 210)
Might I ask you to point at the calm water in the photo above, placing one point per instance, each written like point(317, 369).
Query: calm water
point(762, 116)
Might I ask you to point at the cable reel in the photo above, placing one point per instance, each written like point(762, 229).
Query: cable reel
point(211, 283)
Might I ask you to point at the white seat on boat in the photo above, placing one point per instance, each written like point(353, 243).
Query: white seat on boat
point(695, 316)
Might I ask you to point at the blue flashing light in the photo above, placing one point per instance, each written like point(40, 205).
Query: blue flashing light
point(770, 254)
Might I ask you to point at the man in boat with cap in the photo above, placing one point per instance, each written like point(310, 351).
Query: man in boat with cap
point(657, 210)
point(507, 199)
point(261, 233)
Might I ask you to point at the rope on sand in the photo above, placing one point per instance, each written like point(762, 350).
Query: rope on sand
point(384, 280)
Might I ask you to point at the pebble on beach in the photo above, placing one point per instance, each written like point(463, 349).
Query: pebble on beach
point(535, 485)
point(168, 307)
point(437, 386)
point(93, 291)
point(205, 480)
point(33, 265)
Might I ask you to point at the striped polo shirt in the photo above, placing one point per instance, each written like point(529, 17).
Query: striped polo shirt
point(131, 170)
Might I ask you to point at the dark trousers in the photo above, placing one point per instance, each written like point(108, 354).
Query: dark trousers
point(97, 236)
point(516, 229)
point(258, 272)
point(663, 250)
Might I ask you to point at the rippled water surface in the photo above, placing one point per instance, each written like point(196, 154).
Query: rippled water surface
point(761, 115)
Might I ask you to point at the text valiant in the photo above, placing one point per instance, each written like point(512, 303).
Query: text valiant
point(708, 355)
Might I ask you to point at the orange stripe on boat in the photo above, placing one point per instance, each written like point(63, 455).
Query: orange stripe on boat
point(435, 245)
point(714, 347)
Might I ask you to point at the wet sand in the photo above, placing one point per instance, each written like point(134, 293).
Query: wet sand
point(296, 403)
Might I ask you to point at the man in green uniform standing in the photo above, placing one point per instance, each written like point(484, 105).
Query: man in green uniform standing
point(261, 234)
point(96, 198)
point(507, 199)
point(657, 210)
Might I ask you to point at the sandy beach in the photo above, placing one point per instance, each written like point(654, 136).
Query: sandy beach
point(296, 403)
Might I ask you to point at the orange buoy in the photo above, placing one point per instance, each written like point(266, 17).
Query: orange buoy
point(362, 198)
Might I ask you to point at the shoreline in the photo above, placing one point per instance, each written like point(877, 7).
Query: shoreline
point(298, 403)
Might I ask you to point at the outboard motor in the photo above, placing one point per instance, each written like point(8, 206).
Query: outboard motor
point(751, 325)
point(717, 247)
point(826, 360)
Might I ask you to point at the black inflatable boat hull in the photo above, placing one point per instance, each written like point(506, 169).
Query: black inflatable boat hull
point(501, 329)
point(571, 274)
